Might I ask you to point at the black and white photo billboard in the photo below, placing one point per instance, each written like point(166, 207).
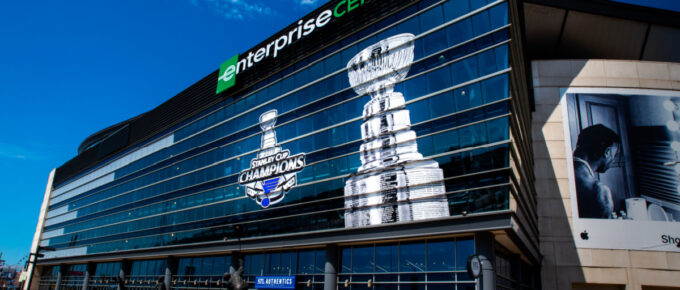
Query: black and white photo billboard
point(623, 156)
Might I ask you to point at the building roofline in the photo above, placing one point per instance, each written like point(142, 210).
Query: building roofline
point(616, 9)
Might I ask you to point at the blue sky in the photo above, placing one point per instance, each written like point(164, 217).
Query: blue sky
point(71, 68)
point(662, 4)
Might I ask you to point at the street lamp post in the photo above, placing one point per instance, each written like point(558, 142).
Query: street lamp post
point(35, 256)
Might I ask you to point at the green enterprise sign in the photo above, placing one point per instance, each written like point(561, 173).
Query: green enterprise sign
point(227, 77)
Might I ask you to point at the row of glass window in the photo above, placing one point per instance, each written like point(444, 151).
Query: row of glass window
point(490, 131)
point(448, 11)
point(506, 84)
point(302, 223)
point(417, 87)
point(464, 163)
point(239, 123)
point(493, 89)
point(486, 199)
point(431, 256)
point(111, 269)
point(452, 10)
point(338, 60)
point(497, 130)
point(458, 99)
point(471, 96)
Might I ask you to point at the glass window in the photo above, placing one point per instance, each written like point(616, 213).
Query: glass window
point(287, 263)
point(387, 258)
point(434, 42)
point(301, 78)
point(305, 262)
point(409, 26)
point(498, 130)
point(362, 259)
point(476, 4)
point(441, 256)
point(480, 23)
point(333, 63)
point(431, 18)
point(499, 15)
point(464, 248)
point(487, 62)
point(502, 57)
point(425, 146)
point(346, 260)
point(472, 135)
point(467, 97)
point(321, 170)
point(255, 264)
point(440, 79)
point(460, 31)
point(464, 70)
point(419, 111)
point(415, 87)
point(306, 175)
point(412, 258)
point(455, 9)
point(495, 88)
point(320, 257)
point(447, 141)
point(444, 104)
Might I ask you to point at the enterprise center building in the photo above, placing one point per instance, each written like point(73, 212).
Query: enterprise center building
point(369, 145)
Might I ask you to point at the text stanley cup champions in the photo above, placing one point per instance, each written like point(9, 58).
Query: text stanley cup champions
point(274, 171)
point(394, 182)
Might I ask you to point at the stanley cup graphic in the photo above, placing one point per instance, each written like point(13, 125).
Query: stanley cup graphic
point(394, 182)
point(273, 172)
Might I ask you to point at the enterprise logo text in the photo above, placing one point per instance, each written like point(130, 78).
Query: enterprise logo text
point(230, 68)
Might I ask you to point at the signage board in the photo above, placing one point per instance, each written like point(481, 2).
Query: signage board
point(275, 282)
point(274, 171)
point(230, 68)
point(623, 160)
point(227, 76)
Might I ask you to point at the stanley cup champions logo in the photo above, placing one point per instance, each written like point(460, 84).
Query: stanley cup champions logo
point(394, 182)
point(273, 172)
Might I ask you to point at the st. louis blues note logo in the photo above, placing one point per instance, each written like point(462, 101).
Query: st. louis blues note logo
point(274, 171)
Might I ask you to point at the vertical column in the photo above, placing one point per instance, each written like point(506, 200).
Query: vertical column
point(516, 270)
point(122, 274)
point(236, 262)
point(330, 275)
point(38, 234)
point(60, 274)
point(89, 272)
point(35, 277)
point(170, 270)
point(484, 248)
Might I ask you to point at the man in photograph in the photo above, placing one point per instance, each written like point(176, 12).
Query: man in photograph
point(596, 151)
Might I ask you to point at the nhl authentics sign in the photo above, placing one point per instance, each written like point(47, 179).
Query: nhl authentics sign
point(274, 171)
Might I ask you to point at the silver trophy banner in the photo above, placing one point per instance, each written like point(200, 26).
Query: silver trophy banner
point(394, 182)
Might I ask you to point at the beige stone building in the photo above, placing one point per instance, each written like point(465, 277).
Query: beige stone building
point(603, 63)
point(566, 266)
